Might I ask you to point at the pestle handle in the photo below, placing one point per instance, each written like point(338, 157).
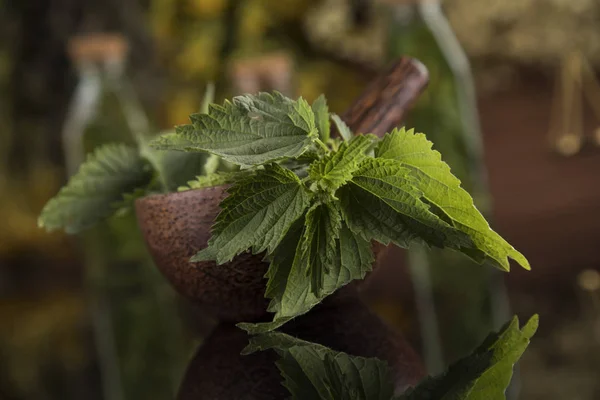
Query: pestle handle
point(384, 103)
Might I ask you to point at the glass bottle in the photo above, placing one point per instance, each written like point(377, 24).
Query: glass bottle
point(140, 342)
point(458, 301)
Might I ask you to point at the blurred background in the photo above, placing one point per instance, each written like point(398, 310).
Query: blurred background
point(513, 105)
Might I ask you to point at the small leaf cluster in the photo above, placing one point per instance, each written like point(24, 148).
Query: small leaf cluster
point(112, 177)
point(312, 205)
point(312, 371)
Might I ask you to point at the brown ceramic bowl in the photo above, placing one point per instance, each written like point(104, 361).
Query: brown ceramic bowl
point(175, 226)
point(218, 370)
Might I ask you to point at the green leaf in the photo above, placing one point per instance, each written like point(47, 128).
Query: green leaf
point(335, 169)
point(319, 246)
point(108, 173)
point(433, 177)
point(342, 128)
point(250, 130)
point(321, 111)
point(257, 214)
point(485, 374)
point(216, 179)
point(127, 203)
point(176, 168)
point(290, 289)
point(382, 203)
point(312, 371)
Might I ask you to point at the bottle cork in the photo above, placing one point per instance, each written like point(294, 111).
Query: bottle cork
point(97, 47)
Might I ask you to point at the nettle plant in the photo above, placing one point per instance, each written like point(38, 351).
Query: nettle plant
point(312, 205)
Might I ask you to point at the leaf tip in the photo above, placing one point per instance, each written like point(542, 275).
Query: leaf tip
point(208, 254)
point(531, 327)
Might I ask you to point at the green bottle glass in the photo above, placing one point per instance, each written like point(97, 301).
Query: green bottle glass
point(140, 341)
point(453, 313)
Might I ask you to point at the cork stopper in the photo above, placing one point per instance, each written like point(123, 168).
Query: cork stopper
point(273, 69)
point(98, 47)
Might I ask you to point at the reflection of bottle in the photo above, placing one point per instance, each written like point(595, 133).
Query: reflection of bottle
point(447, 114)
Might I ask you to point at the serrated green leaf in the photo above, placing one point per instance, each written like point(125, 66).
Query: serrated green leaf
point(127, 202)
point(216, 179)
point(174, 168)
point(90, 196)
point(312, 371)
point(321, 111)
point(336, 168)
point(257, 214)
point(381, 203)
point(342, 128)
point(483, 375)
point(250, 130)
point(177, 168)
point(434, 178)
point(290, 289)
point(319, 247)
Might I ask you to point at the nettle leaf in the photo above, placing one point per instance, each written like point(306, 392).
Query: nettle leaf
point(216, 179)
point(92, 193)
point(177, 168)
point(250, 130)
point(485, 374)
point(127, 202)
point(321, 111)
point(335, 169)
point(382, 203)
point(312, 371)
point(288, 286)
point(342, 128)
point(433, 177)
point(319, 247)
point(257, 214)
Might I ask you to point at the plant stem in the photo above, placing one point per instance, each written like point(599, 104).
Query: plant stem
point(322, 145)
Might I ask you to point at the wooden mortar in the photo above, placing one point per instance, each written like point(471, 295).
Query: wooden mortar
point(177, 225)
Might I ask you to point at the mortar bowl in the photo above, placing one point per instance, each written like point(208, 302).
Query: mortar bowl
point(175, 226)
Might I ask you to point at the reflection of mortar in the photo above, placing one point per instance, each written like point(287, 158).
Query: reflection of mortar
point(177, 225)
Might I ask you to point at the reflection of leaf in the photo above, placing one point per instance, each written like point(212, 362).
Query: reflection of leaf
point(108, 173)
point(485, 374)
point(312, 371)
